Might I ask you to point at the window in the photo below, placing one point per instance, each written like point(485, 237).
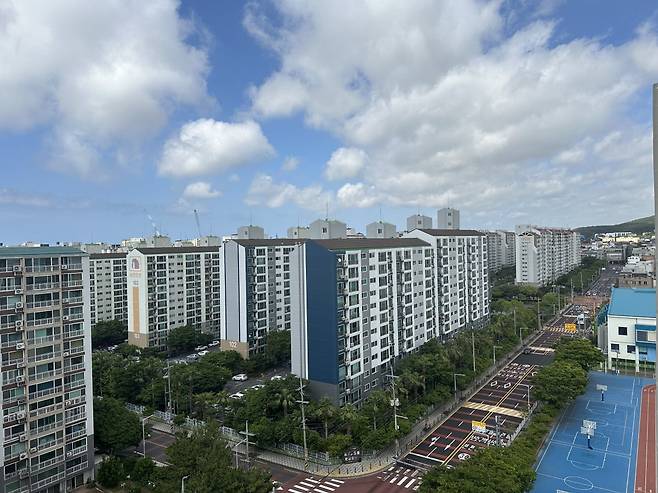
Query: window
point(623, 331)
point(614, 348)
point(630, 349)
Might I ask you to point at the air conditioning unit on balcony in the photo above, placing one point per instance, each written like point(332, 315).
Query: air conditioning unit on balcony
point(20, 364)
point(65, 354)
point(67, 403)
point(20, 379)
point(18, 291)
point(22, 438)
point(19, 323)
point(69, 453)
point(33, 450)
point(64, 266)
point(23, 456)
point(65, 317)
point(20, 415)
point(19, 305)
point(17, 268)
point(20, 345)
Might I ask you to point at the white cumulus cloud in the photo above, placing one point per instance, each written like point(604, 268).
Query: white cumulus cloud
point(208, 146)
point(200, 190)
point(101, 76)
point(345, 163)
point(290, 163)
point(265, 191)
point(357, 195)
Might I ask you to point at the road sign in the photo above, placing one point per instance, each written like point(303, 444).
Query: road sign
point(570, 327)
point(602, 388)
point(479, 426)
point(589, 424)
point(352, 455)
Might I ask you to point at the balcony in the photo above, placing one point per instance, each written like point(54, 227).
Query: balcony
point(44, 340)
point(47, 445)
point(43, 393)
point(76, 451)
point(72, 300)
point(78, 467)
point(75, 417)
point(76, 367)
point(41, 304)
point(45, 428)
point(42, 357)
point(43, 286)
point(41, 268)
point(74, 385)
point(74, 333)
point(45, 482)
point(71, 266)
point(46, 464)
point(43, 321)
point(46, 410)
point(76, 434)
point(44, 375)
point(76, 350)
point(72, 284)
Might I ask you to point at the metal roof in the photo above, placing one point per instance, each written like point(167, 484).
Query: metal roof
point(54, 251)
point(633, 302)
point(265, 242)
point(94, 256)
point(369, 243)
point(452, 232)
point(176, 250)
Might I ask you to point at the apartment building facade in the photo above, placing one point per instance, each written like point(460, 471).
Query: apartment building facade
point(545, 254)
point(255, 292)
point(108, 286)
point(501, 249)
point(358, 304)
point(461, 277)
point(171, 287)
point(45, 334)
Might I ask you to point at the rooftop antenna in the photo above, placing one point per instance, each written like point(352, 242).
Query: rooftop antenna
point(156, 231)
point(380, 213)
point(251, 218)
point(326, 210)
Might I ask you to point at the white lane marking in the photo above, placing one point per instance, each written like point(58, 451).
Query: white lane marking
point(394, 479)
point(410, 483)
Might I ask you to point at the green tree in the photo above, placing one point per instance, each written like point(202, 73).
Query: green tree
point(325, 411)
point(184, 339)
point(115, 428)
point(278, 346)
point(107, 333)
point(580, 351)
point(143, 470)
point(110, 472)
point(204, 457)
point(559, 382)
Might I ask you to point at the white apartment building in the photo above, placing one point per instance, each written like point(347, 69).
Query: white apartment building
point(461, 276)
point(108, 285)
point(45, 334)
point(298, 232)
point(545, 254)
point(501, 249)
point(447, 218)
point(631, 329)
point(255, 292)
point(172, 287)
point(358, 304)
point(325, 229)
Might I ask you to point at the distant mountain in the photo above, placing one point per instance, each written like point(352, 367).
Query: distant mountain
point(641, 225)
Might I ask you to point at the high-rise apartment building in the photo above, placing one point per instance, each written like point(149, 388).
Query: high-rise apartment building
point(418, 221)
point(545, 254)
point(501, 250)
point(255, 292)
point(358, 304)
point(461, 277)
point(172, 287)
point(45, 334)
point(325, 229)
point(108, 285)
point(447, 218)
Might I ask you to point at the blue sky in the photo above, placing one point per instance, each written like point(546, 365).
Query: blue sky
point(272, 112)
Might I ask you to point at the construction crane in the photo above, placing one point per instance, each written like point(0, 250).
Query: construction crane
point(198, 224)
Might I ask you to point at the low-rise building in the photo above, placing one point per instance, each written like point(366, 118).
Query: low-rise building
point(631, 328)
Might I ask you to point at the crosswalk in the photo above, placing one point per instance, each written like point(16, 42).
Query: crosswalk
point(313, 485)
point(403, 477)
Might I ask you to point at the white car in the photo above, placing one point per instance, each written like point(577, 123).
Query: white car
point(276, 377)
point(201, 348)
point(237, 396)
point(203, 353)
point(214, 343)
point(240, 377)
point(258, 386)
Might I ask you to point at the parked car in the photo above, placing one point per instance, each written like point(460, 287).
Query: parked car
point(203, 353)
point(193, 357)
point(258, 386)
point(276, 377)
point(214, 343)
point(237, 396)
point(240, 377)
point(527, 350)
point(201, 348)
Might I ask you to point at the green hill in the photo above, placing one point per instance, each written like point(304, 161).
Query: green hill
point(641, 225)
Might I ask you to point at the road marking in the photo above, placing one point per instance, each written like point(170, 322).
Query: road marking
point(299, 485)
point(293, 491)
point(312, 480)
point(411, 482)
point(339, 481)
point(404, 478)
point(324, 487)
point(493, 409)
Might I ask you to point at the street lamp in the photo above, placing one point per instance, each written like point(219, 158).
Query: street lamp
point(494, 354)
point(144, 434)
point(454, 379)
point(521, 329)
point(182, 484)
point(527, 386)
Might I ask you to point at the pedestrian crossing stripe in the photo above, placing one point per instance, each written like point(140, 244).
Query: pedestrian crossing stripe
point(494, 409)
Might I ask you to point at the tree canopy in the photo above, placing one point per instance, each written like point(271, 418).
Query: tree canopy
point(108, 333)
point(580, 351)
point(115, 428)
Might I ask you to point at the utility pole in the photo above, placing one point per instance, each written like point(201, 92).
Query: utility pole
point(473, 342)
point(394, 404)
point(302, 402)
point(582, 288)
point(538, 315)
point(497, 431)
point(655, 197)
point(494, 354)
point(514, 315)
point(246, 438)
point(571, 289)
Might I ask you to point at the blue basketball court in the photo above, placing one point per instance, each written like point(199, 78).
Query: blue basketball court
point(567, 464)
